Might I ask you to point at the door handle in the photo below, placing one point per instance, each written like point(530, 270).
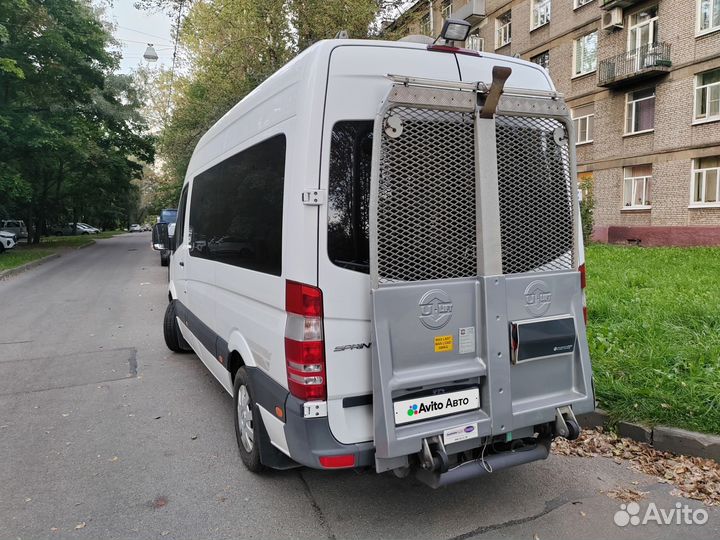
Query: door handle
point(181, 263)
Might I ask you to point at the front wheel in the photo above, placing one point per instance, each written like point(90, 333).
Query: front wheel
point(246, 422)
point(171, 331)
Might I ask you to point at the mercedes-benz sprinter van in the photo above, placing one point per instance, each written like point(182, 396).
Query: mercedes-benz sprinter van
point(378, 255)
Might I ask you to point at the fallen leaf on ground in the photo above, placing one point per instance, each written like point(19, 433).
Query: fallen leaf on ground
point(695, 477)
point(626, 495)
point(80, 525)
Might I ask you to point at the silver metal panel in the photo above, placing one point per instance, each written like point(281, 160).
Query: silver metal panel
point(409, 323)
point(445, 99)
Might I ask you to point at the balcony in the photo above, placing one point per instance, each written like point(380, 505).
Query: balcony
point(473, 12)
point(609, 4)
point(647, 61)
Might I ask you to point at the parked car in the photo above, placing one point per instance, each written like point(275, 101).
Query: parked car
point(135, 228)
point(169, 216)
point(388, 270)
point(69, 229)
point(16, 226)
point(89, 228)
point(7, 240)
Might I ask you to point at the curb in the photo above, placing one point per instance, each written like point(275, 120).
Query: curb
point(27, 266)
point(662, 438)
point(91, 243)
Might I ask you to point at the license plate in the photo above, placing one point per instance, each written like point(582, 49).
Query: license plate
point(426, 407)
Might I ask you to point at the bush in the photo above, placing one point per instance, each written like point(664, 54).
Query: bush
point(587, 206)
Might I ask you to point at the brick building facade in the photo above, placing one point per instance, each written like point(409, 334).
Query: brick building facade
point(643, 81)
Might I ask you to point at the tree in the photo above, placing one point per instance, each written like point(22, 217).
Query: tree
point(230, 47)
point(70, 133)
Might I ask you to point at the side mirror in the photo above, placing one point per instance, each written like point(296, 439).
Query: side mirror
point(160, 237)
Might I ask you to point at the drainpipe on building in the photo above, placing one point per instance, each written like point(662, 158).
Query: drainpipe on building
point(432, 26)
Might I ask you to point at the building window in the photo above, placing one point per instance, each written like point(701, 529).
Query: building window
point(446, 9)
point(637, 185)
point(542, 59)
point(708, 15)
point(540, 13)
point(585, 54)
point(643, 28)
point(640, 111)
point(583, 120)
point(425, 27)
point(475, 43)
point(580, 3)
point(707, 95)
point(706, 181)
point(503, 26)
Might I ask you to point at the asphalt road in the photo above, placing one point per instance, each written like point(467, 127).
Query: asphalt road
point(106, 434)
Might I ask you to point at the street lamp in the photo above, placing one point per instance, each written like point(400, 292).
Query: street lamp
point(150, 54)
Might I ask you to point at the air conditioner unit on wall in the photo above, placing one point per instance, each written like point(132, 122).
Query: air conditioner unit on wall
point(612, 19)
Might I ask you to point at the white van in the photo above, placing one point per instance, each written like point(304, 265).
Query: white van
point(378, 254)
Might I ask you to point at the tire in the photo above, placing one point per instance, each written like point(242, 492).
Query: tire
point(164, 259)
point(574, 430)
point(247, 423)
point(2, 247)
point(173, 338)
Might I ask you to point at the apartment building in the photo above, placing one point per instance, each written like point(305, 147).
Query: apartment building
point(642, 79)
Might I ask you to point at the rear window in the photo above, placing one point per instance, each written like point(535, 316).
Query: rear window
point(349, 194)
point(168, 216)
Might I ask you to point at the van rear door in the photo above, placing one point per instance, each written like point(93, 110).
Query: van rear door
point(357, 83)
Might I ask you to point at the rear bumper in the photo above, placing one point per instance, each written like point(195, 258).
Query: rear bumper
point(308, 439)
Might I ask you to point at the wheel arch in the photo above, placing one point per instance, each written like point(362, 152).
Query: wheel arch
point(239, 354)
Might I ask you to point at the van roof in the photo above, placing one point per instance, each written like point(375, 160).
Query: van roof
point(314, 60)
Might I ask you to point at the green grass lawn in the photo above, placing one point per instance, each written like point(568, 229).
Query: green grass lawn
point(24, 253)
point(654, 334)
point(15, 257)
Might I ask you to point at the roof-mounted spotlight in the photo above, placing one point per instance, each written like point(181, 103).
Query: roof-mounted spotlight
point(455, 30)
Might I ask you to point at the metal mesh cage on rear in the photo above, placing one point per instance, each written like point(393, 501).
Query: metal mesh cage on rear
point(536, 204)
point(426, 226)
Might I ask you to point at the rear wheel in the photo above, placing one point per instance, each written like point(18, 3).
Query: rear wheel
point(173, 338)
point(246, 422)
point(164, 259)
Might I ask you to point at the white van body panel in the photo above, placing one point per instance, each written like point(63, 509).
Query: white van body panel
point(357, 84)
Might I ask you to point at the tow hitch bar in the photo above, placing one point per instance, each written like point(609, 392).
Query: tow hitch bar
point(435, 459)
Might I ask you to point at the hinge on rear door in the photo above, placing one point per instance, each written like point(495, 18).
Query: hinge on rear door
point(313, 197)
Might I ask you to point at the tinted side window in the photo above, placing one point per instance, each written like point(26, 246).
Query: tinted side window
point(236, 209)
point(180, 223)
point(349, 194)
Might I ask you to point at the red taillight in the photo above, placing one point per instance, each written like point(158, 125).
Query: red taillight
point(304, 343)
point(457, 50)
point(303, 299)
point(337, 462)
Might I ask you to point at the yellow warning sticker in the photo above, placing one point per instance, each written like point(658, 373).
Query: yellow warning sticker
point(443, 343)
